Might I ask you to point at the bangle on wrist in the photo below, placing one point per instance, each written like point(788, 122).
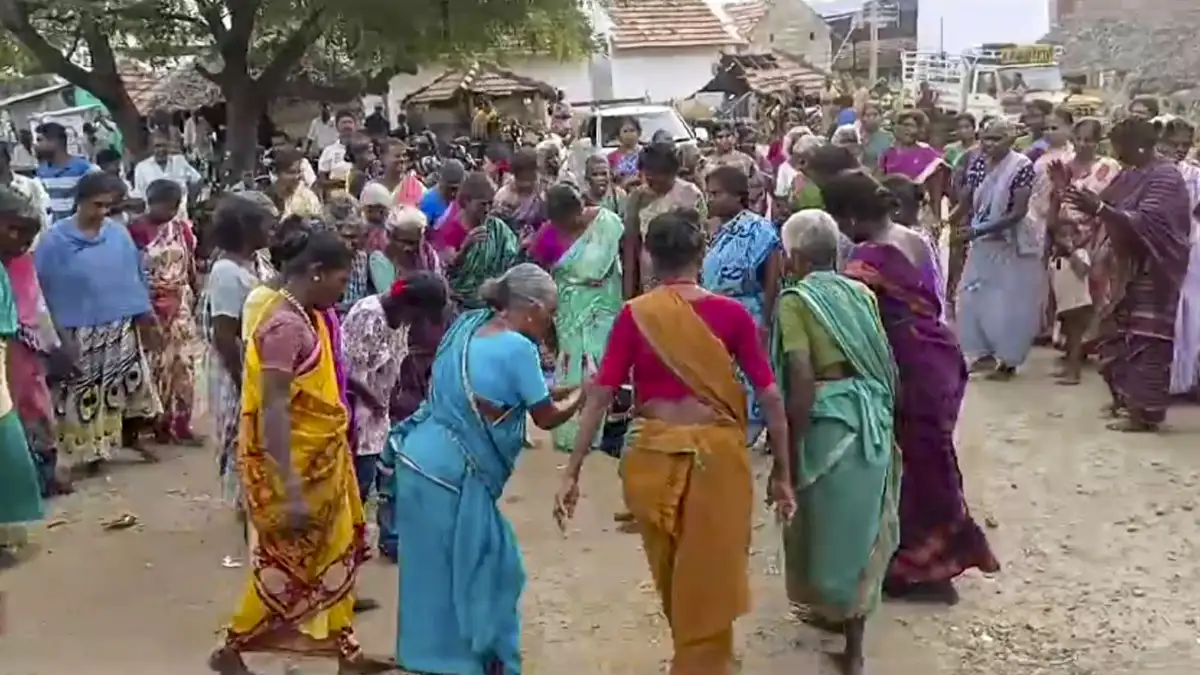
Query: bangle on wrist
point(1100, 209)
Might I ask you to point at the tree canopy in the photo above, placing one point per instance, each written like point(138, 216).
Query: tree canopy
point(251, 48)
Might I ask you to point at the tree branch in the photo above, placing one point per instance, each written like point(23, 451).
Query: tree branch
point(14, 16)
point(242, 16)
point(292, 50)
point(214, 20)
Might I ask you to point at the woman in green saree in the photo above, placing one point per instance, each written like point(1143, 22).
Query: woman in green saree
point(474, 245)
point(581, 248)
point(835, 366)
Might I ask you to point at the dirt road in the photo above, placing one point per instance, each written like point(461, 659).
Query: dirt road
point(1097, 532)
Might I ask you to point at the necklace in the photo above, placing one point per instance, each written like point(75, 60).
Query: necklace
point(291, 299)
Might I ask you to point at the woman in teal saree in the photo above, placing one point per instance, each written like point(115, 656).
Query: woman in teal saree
point(581, 248)
point(835, 366)
point(461, 574)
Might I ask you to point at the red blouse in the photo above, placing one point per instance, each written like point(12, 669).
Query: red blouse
point(628, 351)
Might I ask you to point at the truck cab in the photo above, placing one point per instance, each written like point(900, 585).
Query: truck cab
point(991, 81)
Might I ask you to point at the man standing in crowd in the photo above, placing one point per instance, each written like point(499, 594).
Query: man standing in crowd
point(58, 170)
point(322, 132)
point(346, 125)
point(167, 163)
point(376, 123)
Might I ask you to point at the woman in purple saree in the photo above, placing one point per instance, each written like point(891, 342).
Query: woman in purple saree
point(1146, 215)
point(938, 538)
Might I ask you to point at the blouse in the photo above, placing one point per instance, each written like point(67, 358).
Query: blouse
point(628, 352)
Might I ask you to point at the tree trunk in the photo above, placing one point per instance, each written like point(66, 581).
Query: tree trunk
point(126, 116)
point(243, 110)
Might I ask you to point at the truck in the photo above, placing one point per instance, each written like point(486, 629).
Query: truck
point(994, 80)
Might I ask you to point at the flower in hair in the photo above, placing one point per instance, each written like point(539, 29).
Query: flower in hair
point(398, 287)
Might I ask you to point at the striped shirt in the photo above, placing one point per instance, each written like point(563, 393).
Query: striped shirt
point(60, 182)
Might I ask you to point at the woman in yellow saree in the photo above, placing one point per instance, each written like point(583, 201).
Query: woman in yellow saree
point(686, 470)
point(308, 531)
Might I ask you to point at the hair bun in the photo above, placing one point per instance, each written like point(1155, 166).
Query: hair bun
point(495, 293)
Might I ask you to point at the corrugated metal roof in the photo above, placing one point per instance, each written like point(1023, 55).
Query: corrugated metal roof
point(479, 79)
point(657, 24)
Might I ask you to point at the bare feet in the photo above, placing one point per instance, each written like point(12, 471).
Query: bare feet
point(983, 364)
point(1112, 411)
point(1130, 425)
point(1002, 373)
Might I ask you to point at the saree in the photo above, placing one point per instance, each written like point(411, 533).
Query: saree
point(734, 267)
point(482, 261)
point(1086, 231)
point(847, 467)
point(27, 354)
point(461, 573)
point(689, 487)
point(523, 213)
point(20, 491)
point(644, 206)
point(1003, 288)
point(1136, 327)
point(1185, 365)
point(299, 595)
point(938, 538)
point(170, 267)
point(589, 297)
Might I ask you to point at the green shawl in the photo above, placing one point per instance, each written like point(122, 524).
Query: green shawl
point(485, 259)
point(847, 466)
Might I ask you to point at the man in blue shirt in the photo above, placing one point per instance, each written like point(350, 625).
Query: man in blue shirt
point(58, 170)
point(437, 201)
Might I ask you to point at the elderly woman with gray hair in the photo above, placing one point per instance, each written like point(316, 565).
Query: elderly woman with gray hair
point(835, 368)
point(1003, 287)
point(452, 460)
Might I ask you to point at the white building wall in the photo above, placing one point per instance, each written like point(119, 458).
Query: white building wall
point(662, 74)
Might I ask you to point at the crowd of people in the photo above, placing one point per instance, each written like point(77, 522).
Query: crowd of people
point(365, 337)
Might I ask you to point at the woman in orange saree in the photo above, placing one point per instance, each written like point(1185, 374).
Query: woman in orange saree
point(686, 471)
point(308, 532)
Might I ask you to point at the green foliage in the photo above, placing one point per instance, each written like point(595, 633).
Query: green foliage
point(359, 36)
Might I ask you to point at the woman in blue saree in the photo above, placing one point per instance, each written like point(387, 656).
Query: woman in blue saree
point(744, 260)
point(461, 574)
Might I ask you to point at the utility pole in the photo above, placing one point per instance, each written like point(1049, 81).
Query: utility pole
point(873, 27)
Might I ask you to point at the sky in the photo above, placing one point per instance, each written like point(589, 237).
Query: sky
point(956, 25)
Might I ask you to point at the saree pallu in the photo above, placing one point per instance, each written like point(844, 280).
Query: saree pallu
point(412, 386)
point(33, 405)
point(482, 261)
point(847, 467)
point(1136, 333)
point(734, 267)
point(938, 538)
point(299, 597)
point(461, 573)
point(689, 487)
point(589, 298)
point(20, 489)
point(111, 383)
